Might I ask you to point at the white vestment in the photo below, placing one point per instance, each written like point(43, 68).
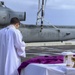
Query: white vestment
point(12, 48)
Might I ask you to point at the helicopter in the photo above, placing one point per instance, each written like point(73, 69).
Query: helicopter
point(36, 33)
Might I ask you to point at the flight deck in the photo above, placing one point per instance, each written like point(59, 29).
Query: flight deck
point(33, 51)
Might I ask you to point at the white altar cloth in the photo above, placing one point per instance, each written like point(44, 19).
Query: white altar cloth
point(47, 69)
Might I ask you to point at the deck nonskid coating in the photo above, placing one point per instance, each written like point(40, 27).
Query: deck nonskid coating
point(33, 51)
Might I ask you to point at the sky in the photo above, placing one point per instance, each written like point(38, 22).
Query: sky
point(57, 12)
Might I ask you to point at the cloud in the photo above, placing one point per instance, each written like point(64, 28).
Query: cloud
point(52, 4)
point(22, 2)
point(21, 5)
point(61, 4)
point(66, 7)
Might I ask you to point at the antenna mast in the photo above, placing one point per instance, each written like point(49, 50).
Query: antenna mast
point(40, 13)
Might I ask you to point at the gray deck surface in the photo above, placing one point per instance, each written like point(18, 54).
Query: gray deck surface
point(33, 51)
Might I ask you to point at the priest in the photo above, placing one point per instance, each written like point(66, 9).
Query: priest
point(12, 48)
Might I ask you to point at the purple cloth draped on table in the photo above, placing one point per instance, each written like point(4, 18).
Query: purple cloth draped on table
point(43, 60)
